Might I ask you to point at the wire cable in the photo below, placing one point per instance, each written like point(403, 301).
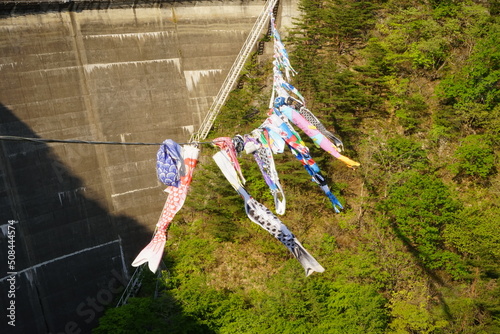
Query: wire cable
point(75, 141)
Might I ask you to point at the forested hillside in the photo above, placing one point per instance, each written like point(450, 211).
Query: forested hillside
point(412, 88)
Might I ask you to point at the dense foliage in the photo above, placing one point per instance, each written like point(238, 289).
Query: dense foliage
point(412, 87)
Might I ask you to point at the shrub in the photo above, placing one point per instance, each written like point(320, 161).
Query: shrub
point(474, 157)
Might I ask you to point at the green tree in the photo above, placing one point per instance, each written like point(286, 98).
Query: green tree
point(473, 91)
point(326, 31)
point(410, 311)
point(476, 234)
point(352, 308)
point(147, 315)
point(419, 207)
point(401, 153)
point(474, 157)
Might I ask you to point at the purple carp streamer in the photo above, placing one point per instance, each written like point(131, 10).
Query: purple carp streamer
point(262, 216)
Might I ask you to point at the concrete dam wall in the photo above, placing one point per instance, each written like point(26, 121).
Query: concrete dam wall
point(74, 216)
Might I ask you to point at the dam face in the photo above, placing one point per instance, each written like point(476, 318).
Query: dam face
point(74, 216)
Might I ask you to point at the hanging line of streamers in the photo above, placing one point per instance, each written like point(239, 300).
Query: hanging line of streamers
point(289, 105)
point(280, 52)
point(175, 164)
point(294, 107)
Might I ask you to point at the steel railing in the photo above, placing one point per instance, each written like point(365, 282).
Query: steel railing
point(234, 72)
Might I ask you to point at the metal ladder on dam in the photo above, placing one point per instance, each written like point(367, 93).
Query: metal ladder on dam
point(234, 72)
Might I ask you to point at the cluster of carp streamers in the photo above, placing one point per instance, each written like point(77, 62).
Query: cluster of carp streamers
point(175, 163)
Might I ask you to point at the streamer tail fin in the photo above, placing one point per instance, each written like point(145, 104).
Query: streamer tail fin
point(350, 163)
point(306, 260)
point(337, 206)
point(151, 254)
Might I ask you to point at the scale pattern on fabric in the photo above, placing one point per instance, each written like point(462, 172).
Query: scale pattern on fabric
point(153, 252)
point(169, 163)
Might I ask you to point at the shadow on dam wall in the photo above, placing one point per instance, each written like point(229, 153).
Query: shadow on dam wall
point(71, 255)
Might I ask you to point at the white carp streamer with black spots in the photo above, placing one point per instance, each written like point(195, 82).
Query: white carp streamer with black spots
point(262, 216)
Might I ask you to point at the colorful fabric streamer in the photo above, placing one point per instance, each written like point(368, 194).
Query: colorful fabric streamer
point(311, 118)
point(276, 124)
point(280, 53)
point(226, 145)
point(262, 216)
point(281, 86)
point(263, 155)
point(318, 138)
point(153, 252)
point(279, 125)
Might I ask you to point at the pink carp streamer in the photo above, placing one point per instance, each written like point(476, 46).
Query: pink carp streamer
point(226, 145)
point(318, 138)
point(153, 252)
